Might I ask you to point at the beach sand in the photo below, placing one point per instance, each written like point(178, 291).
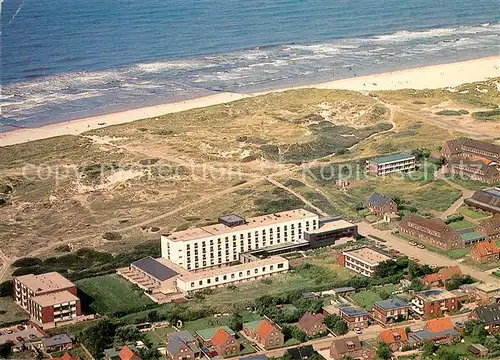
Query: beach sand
point(430, 77)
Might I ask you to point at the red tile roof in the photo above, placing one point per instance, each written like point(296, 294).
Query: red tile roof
point(220, 337)
point(485, 248)
point(264, 328)
point(448, 272)
point(389, 335)
point(431, 278)
point(127, 354)
point(67, 356)
point(439, 324)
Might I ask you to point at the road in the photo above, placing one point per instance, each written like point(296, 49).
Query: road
point(425, 256)
point(4, 265)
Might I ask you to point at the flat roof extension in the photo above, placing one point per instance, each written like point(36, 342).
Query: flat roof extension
point(55, 298)
point(368, 255)
point(45, 282)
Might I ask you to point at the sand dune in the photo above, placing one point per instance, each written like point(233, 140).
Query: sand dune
point(435, 76)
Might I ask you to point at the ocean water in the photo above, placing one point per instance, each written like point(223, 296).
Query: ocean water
point(64, 59)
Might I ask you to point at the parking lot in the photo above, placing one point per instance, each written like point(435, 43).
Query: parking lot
point(19, 334)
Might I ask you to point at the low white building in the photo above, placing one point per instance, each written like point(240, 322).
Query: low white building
point(364, 260)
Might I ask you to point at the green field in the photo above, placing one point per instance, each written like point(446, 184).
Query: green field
point(462, 224)
point(13, 312)
point(366, 299)
point(159, 336)
point(472, 214)
point(112, 293)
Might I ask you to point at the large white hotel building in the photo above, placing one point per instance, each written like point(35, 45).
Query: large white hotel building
point(221, 243)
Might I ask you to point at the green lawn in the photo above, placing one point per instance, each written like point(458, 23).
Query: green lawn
point(471, 213)
point(462, 224)
point(366, 299)
point(13, 312)
point(112, 293)
point(159, 336)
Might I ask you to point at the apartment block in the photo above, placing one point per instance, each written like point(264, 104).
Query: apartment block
point(364, 260)
point(50, 298)
point(435, 302)
point(221, 243)
point(391, 310)
point(354, 316)
point(391, 163)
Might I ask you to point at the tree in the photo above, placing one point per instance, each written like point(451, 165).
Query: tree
point(428, 349)
point(336, 324)
point(98, 336)
point(236, 322)
point(127, 333)
point(298, 334)
point(7, 288)
point(470, 325)
point(383, 351)
point(479, 333)
point(457, 280)
point(153, 316)
point(446, 353)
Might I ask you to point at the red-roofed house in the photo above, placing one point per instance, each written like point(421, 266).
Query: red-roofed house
point(67, 356)
point(396, 338)
point(225, 343)
point(441, 277)
point(484, 252)
point(312, 324)
point(265, 332)
point(127, 354)
point(441, 327)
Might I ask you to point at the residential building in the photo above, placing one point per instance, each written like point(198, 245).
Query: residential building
point(363, 260)
point(435, 302)
point(440, 330)
point(490, 228)
point(219, 244)
point(50, 298)
point(312, 324)
point(329, 232)
point(126, 353)
point(470, 148)
point(391, 163)
point(486, 199)
point(433, 232)
point(395, 338)
point(484, 252)
point(381, 205)
point(60, 342)
point(350, 346)
point(300, 352)
point(265, 332)
point(354, 316)
point(485, 294)
point(477, 169)
point(225, 344)
point(441, 277)
point(182, 345)
point(390, 311)
point(489, 315)
point(205, 336)
point(67, 356)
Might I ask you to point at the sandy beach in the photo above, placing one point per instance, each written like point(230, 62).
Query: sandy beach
point(435, 76)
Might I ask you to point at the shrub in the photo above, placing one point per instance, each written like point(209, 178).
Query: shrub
point(449, 112)
point(27, 261)
point(112, 236)
point(164, 132)
point(487, 115)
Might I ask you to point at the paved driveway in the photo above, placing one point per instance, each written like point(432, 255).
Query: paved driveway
point(25, 333)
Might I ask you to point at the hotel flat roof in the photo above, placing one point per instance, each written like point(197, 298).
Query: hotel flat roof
point(45, 282)
point(220, 229)
point(392, 158)
point(55, 298)
point(332, 225)
point(368, 255)
point(435, 294)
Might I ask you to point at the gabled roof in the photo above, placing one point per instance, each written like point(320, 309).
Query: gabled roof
point(127, 354)
point(485, 248)
point(488, 198)
point(492, 225)
point(393, 303)
point(448, 272)
point(174, 345)
point(341, 344)
point(183, 335)
point(376, 199)
point(265, 328)
point(308, 320)
point(489, 314)
point(221, 337)
point(439, 325)
point(67, 356)
point(208, 334)
point(431, 278)
point(391, 336)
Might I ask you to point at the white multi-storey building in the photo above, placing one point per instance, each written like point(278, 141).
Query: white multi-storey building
point(391, 163)
point(364, 260)
point(221, 243)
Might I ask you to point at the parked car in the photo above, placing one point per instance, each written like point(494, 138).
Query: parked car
point(420, 246)
point(358, 330)
point(20, 327)
point(9, 331)
point(413, 243)
point(20, 338)
point(32, 337)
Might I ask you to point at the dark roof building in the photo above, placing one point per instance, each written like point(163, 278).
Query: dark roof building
point(467, 147)
point(154, 269)
point(486, 199)
point(393, 303)
point(380, 204)
point(301, 352)
point(489, 315)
